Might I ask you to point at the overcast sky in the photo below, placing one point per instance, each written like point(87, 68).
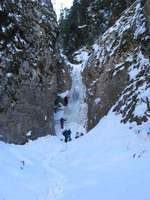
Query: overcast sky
point(61, 3)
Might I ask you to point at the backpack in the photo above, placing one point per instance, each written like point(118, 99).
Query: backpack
point(65, 133)
point(69, 132)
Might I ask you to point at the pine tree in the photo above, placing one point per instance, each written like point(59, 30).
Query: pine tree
point(86, 20)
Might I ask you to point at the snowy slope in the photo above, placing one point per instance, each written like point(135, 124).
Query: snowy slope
point(111, 162)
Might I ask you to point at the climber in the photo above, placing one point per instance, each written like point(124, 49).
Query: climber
point(67, 135)
point(66, 100)
point(62, 120)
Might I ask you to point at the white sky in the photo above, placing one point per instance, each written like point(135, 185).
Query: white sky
point(61, 3)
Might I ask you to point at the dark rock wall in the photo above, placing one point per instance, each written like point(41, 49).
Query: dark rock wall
point(147, 12)
point(117, 72)
point(28, 69)
point(64, 82)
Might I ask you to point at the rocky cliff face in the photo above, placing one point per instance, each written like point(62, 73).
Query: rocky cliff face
point(28, 66)
point(32, 74)
point(146, 4)
point(64, 82)
point(117, 71)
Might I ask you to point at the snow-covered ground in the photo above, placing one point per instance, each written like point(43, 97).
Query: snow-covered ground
point(110, 162)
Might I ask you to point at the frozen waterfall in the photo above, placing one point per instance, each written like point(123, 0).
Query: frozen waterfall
point(76, 111)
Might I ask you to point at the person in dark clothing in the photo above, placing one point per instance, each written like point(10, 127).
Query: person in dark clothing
point(62, 120)
point(66, 98)
point(67, 135)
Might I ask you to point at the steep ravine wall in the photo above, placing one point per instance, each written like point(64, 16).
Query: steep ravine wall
point(117, 71)
point(146, 4)
point(28, 69)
